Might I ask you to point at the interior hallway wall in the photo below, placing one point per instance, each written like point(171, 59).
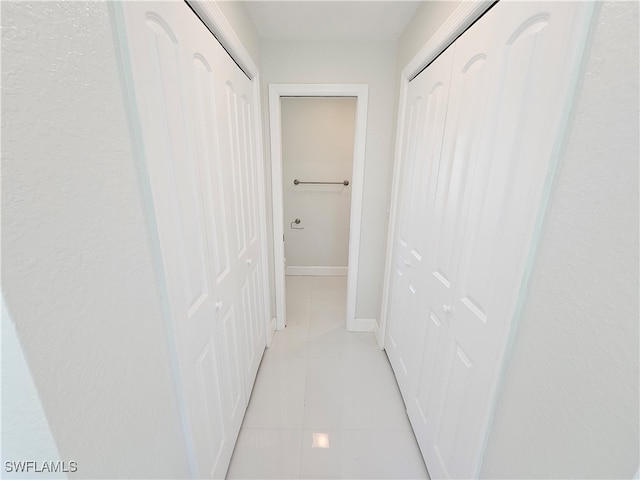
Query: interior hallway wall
point(371, 63)
point(77, 269)
point(317, 145)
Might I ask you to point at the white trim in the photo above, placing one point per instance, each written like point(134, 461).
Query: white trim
point(317, 271)
point(364, 325)
point(211, 15)
point(361, 92)
point(462, 17)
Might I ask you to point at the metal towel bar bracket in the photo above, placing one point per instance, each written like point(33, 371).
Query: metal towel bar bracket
point(298, 182)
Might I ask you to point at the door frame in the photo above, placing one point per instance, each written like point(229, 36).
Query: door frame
point(461, 19)
point(361, 93)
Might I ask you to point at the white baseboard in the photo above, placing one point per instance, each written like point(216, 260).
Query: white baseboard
point(317, 271)
point(363, 325)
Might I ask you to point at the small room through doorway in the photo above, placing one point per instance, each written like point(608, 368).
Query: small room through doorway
point(318, 135)
point(317, 161)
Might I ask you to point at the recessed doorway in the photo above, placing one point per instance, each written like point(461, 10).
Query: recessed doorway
point(324, 194)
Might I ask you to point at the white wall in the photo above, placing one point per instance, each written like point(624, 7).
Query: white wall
point(317, 145)
point(569, 403)
point(372, 63)
point(77, 270)
point(236, 14)
point(421, 28)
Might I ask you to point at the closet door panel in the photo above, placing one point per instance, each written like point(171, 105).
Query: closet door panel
point(446, 217)
point(534, 47)
point(426, 108)
point(397, 332)
point(206, 68)
point(206, 230)
point(161, 64)
point(248, 256)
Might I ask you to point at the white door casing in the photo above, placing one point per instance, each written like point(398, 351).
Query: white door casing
point(197, 130)
point(514, 76)
point(361, 92)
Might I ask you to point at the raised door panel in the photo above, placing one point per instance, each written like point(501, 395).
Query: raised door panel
point(207, 69)
point(427, 102)
point(248, 257)
point(535, 50)
point(397, 331)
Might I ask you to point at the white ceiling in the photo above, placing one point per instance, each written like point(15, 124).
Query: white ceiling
point(331, 20)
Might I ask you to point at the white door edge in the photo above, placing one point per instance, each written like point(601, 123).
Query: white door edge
point(276, 91)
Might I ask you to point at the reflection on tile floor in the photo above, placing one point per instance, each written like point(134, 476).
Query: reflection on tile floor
point(325, 403)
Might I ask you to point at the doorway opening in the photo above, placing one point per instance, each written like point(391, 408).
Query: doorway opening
point(317, 197)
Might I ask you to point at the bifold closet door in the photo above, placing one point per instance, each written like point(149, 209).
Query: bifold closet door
point(512, 78)
point(426, 108)
point(445, 222)
point(194, 108)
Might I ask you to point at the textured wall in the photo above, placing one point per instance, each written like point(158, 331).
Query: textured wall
point(569, 403)
point(372, 63)
point(76, 265)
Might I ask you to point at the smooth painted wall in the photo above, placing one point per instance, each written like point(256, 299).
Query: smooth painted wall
point(569, 402)
point(371, 63)
point(421, 28)
point(25, 430)
point(236, 14)
point(317, 145)
point(77, 269)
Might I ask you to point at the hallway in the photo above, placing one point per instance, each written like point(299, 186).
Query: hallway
point(325, 403)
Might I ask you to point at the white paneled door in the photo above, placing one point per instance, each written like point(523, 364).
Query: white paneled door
point(196, 116)
point(426, 109)
point(468, 214)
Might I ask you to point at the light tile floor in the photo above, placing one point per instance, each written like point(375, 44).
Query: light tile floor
point(325, 403)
